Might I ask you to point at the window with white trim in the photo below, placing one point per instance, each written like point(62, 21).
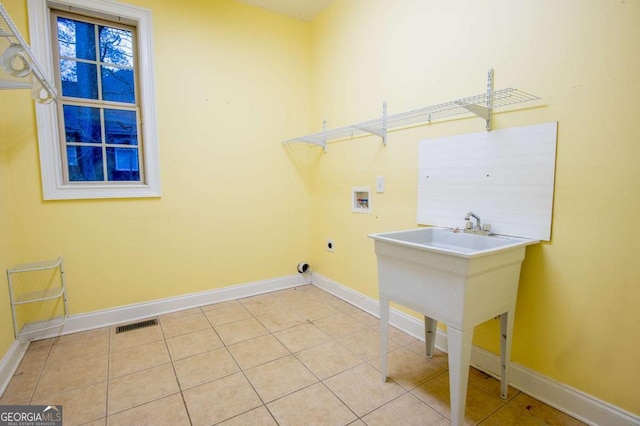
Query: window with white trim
point(99, 139)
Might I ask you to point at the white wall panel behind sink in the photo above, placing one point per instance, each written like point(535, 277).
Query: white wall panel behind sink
point(504, 176)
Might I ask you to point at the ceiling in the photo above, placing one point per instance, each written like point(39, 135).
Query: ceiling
point(305, 10)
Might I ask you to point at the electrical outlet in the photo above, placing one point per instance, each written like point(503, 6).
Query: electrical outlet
point(330, 245)
point(380, 184)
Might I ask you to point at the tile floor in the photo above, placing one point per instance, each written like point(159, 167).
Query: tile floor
point(291, 357)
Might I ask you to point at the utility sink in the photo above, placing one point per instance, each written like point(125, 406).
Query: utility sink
point(457, 278)
point(453, 242)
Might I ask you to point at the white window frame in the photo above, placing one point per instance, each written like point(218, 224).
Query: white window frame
point(53, 184)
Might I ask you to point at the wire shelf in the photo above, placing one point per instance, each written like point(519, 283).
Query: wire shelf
point(39, 296)
point(37, 266)
point(51, 292)
point(40, 326)
point(14, 49)
point(479, 105)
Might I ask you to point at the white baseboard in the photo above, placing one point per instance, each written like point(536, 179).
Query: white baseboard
point(10, 363)
point(122, 314)
point(565, 398)
point(576, 403)
point(134, 312)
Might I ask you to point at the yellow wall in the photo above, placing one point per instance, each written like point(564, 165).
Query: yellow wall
point(232, 82)
point(6, 233)
point(577, 311)
point(17, 125)
point(6, 325)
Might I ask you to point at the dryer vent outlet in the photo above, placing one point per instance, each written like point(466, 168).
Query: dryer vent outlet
point(303, 267)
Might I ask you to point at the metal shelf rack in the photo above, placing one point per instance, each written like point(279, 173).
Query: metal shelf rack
point(480, 105)
point(18, 65)
point(36, 296)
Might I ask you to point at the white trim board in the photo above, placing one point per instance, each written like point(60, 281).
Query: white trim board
point(576, 403)
point(134, 312)
point(10, 363)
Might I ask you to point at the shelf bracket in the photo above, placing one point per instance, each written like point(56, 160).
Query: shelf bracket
point(489, 98)
point(324, 135)
point(484, 112)
point(382, 131)
point(480, 111)
point(384, 123)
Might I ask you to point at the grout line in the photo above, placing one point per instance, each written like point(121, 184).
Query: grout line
point(106, 402)
point(340, 399)
point(173, 367)
point(290, 353)
point(491, 413)
point(389, 402)
point(44, 364)
point(527, 413)
point(226, 348)
point(107, 415)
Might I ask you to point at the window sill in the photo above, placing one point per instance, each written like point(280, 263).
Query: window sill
point(76, 192)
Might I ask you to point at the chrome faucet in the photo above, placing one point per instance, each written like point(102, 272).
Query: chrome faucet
point(478, 229)
point(476, 217)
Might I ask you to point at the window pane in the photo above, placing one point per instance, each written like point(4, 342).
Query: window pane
point(117, 85)
point(79, 79)
point(82, 124)
point(120, 127)
point(116, 46)
point(122, 164)
point(85, 163)
point(76, 39)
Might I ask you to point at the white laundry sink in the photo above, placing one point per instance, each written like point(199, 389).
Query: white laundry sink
point(460, 279)
point(456, 278)
point(448, 241)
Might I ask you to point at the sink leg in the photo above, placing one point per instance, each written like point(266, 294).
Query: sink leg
point(384, 332)
point(430, 326)
point(459, 343)
point(506, 333)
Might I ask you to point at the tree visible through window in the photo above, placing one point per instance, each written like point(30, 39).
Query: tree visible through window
point(99, 109)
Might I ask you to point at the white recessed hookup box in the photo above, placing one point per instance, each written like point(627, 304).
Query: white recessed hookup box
point(361, 199)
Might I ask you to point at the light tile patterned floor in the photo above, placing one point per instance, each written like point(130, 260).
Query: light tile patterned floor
point(292, 357)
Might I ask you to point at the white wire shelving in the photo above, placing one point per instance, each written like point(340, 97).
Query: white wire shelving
point(46, 292)
point(480, 105)
point(18, 65)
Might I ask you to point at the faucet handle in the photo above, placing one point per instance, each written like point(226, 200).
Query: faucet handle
point(468, 225)
point(487, 227)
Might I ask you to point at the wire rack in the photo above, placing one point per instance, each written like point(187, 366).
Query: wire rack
point(479, 105)
point(37, 266)
point(27, 285)
point(14, 49)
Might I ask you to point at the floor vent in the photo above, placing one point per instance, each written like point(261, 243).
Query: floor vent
point(136, 325)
